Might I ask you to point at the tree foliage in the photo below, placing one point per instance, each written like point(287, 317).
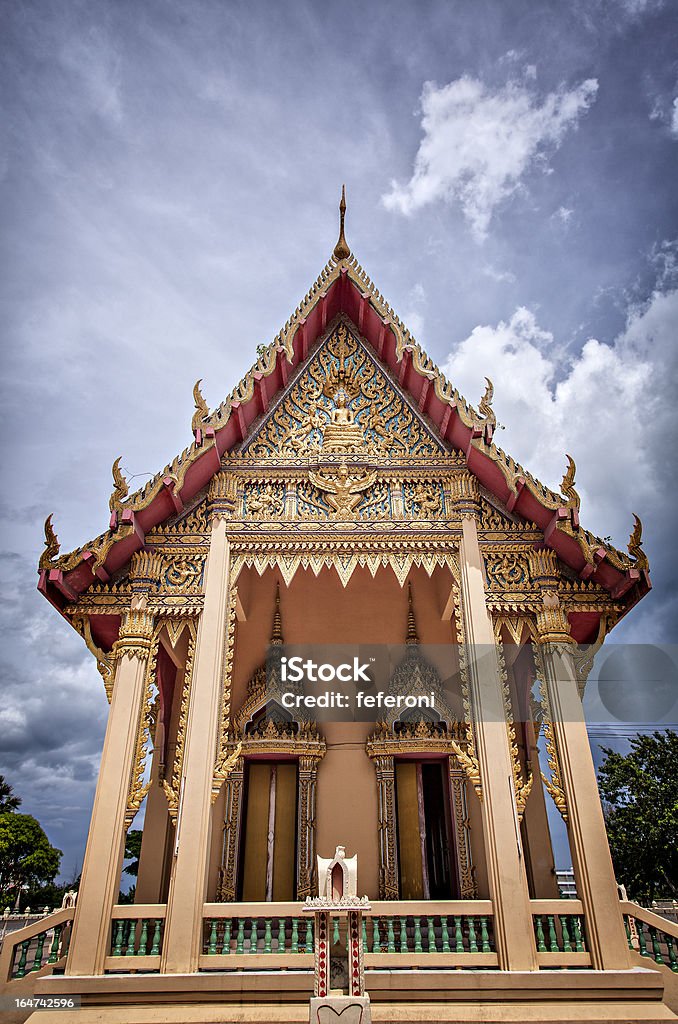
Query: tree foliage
point(8, 801)
point(133, 851)
point(640, 799)
point(26, 854)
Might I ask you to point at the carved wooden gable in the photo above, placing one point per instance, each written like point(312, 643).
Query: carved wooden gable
point(343, 402)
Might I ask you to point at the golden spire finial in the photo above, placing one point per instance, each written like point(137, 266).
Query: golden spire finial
point(276, 636)
point(412, 637)
point(341, 249)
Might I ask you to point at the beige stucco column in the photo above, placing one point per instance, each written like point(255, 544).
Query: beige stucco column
point(594, 874)
point(513, 929)
point(188, 887)
point(100, 879)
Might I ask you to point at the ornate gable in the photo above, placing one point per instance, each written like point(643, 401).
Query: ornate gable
point(343, 402)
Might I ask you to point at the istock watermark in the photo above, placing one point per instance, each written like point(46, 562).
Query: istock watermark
point(438, 683)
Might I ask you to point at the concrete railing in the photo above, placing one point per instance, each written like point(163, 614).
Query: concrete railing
point(37, 948)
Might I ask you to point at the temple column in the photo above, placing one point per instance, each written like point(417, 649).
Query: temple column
point(100, 880)
point(594, 873)
point(188, 887)
point(513, 929)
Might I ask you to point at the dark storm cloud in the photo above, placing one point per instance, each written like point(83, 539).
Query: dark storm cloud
point(169, 177)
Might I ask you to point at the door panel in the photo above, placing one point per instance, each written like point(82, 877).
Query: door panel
point(269, 861)
point(409, 841)
point(284, 860)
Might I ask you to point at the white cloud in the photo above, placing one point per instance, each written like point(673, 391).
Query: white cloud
point(674, 118)
point(478, 144)
point(611, 407)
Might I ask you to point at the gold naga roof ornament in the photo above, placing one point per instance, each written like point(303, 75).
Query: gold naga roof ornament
point(567, 486)
point(341, 249)
point(120, 489)
point(634, 547)
point(51, 545)
point(485, 408)
point(201, 409)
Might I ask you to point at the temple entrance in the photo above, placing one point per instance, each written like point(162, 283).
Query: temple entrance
point(269, 853)
point(424, 831)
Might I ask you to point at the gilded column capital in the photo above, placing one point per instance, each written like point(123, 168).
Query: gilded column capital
point(543, 564)
point(465, 494)
point(136, 631)
point(553, 626)
point(223, 495)
point(145, 571)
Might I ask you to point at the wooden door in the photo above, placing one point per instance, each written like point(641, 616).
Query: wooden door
point(269, 848)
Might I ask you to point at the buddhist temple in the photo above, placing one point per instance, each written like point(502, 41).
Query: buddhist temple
point(345, 494)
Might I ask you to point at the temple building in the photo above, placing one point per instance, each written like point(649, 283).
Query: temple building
point(346, 494)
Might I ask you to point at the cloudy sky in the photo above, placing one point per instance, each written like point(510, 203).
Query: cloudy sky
point(169, 175)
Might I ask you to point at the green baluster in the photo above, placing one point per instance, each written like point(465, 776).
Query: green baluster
point(294, 947)
point(376, 937)
point(627, 929)
point(212, 948)
point(157, 931)
point(267, 935)
point(240, 939)
point(366, 948)
point(403, 935)
point(656, 948)
point(66, 944)
point(39, 949)
point(254, 935)
point(641, 938)
point(578, 935)
point(281, 934)
point(21, 966)
point(417, 935)
point(143, 939)
point(484, 937)
point(309, 935)
point(445, 934)
point(430, 935)
point(567, 948)
point(472, 944)
point(458, 935)
point(226, 944)
point(131, 938)
point(390, 935)
point(673, 963)
point(541, 945)
point(553, 938)
point(54, 951)
point(335, 930)
point(119, 932)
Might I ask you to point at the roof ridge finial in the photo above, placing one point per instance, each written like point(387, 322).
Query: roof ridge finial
point(276, 636)
point(412, 637)
point(341, 249)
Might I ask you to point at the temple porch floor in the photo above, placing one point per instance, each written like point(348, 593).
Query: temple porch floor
point(401, 997)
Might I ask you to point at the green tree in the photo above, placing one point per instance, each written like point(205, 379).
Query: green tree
point(640, 800)
point(26, 855)
point(8, 801)
point(133, 851)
